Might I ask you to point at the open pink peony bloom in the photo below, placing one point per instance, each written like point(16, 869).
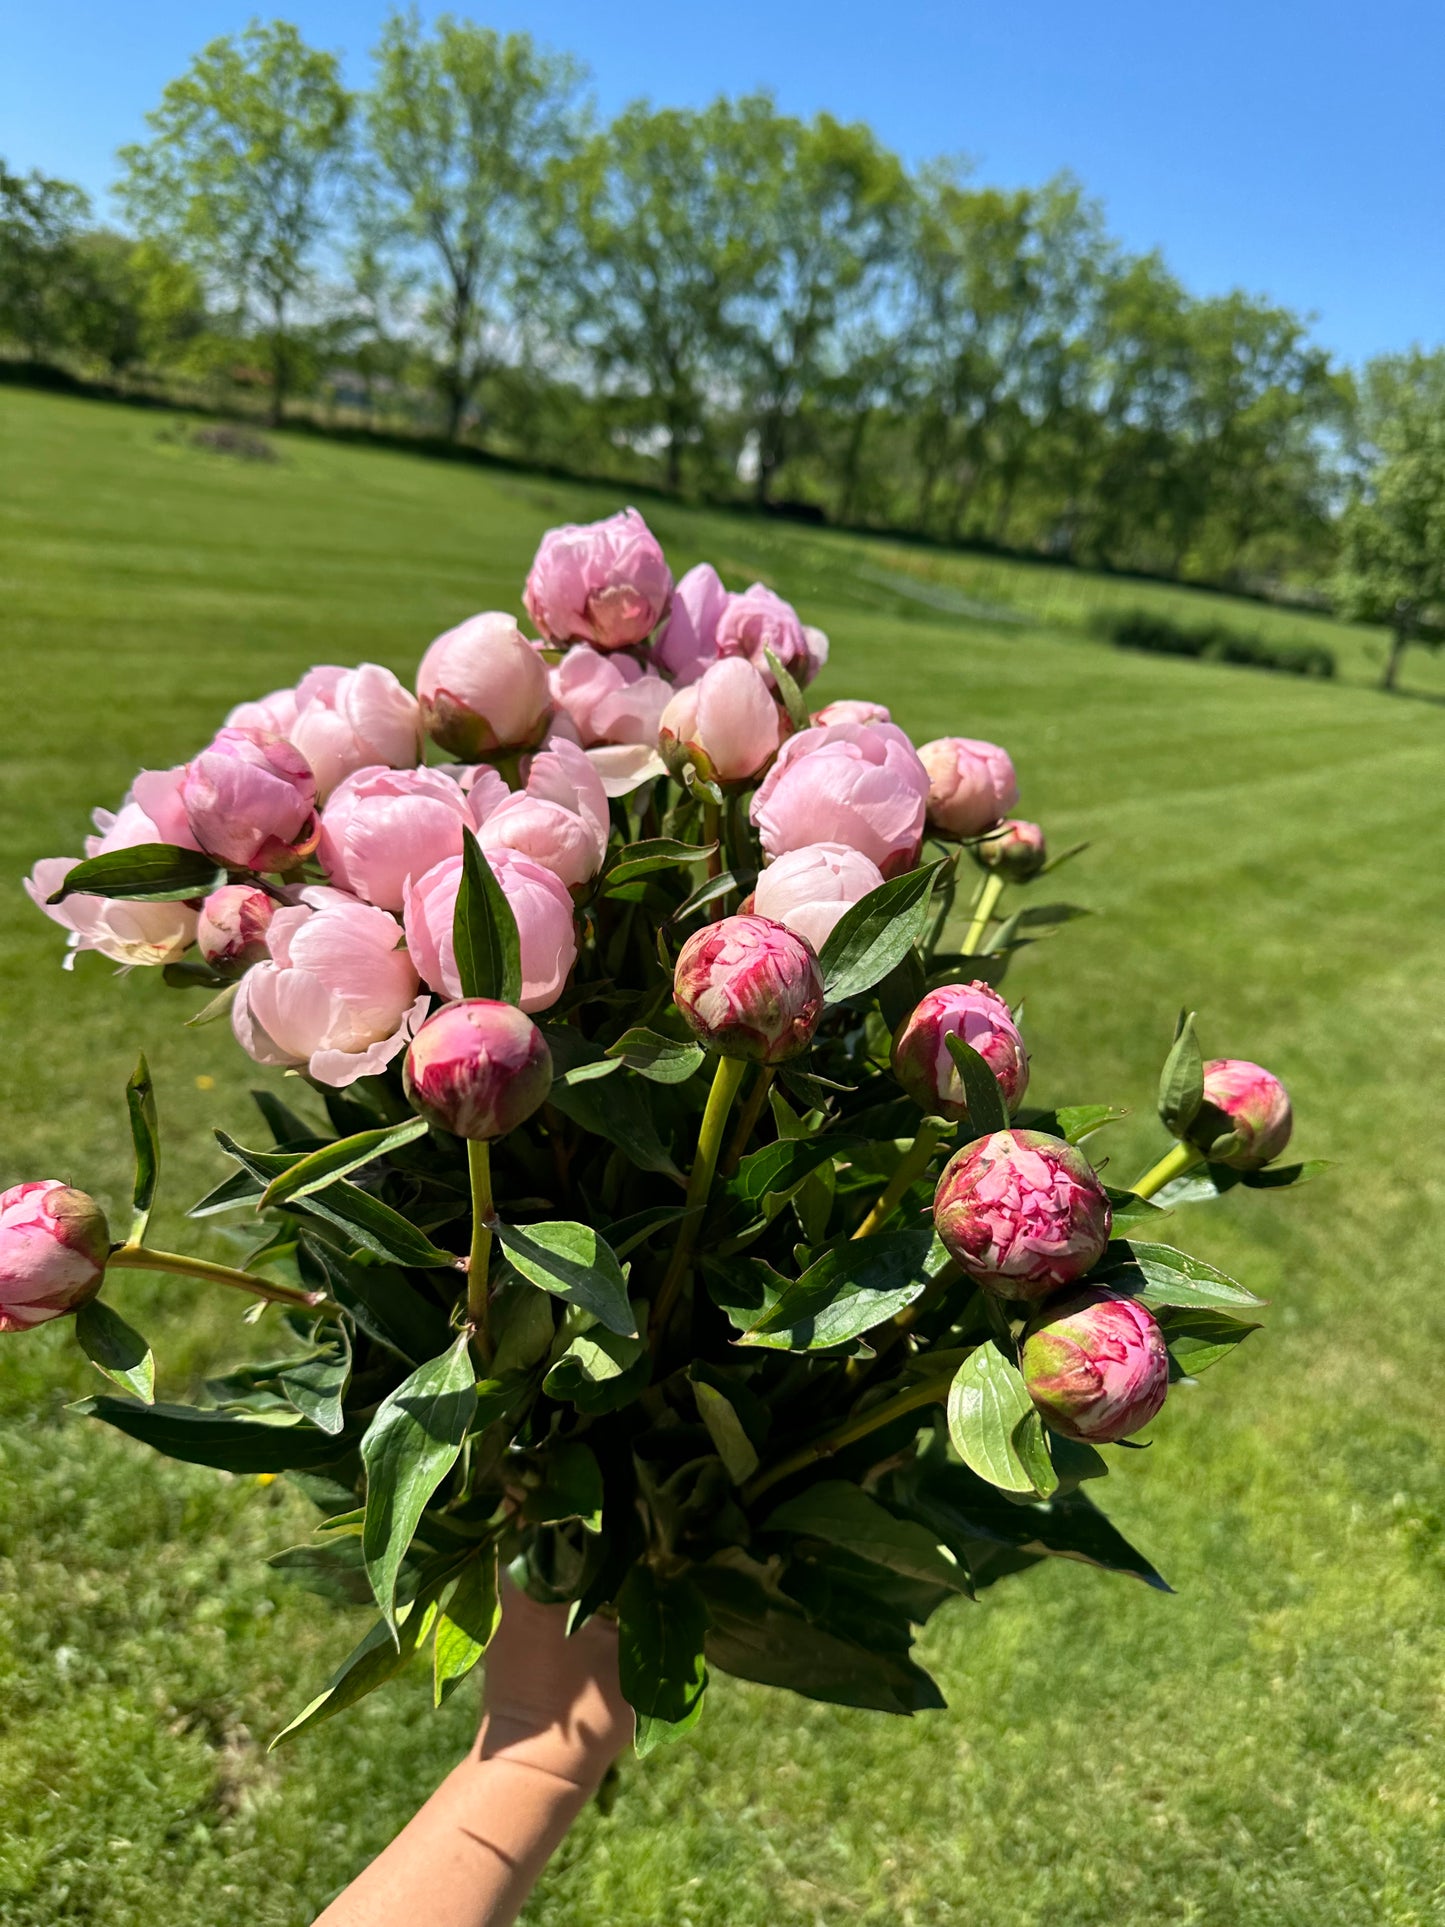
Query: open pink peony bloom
point(613, 707)
point(857, 784)
point(1022, 1212)
point(562, 773)
point(758, 620)
point(606, 583)
point(559, 820)
point(382, 826)
point(250, 799)
point(809, 889)
point(688, 642)
point(850, 709)
point(233, 923)
point(545, 926)
point(1015, 849)
point(478, 1068)
point(727, 723)
point(1096, 1367)
point(971, 784)
point(54, 1242)
point(483, 687)
point(339, 995)
point(749, 987)
point(1246, 1113)
point(977, 1014)
point(341, 720)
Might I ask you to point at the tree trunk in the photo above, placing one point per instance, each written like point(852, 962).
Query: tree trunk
point(674, 462)
point(1399, 639)
point(279, 368)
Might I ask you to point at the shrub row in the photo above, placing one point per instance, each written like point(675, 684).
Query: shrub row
point(1212, 642)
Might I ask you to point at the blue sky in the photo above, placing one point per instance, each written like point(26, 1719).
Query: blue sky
point(1296, 150)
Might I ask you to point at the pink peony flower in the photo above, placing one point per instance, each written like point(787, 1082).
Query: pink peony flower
point(152, 812)
point(233, 923)
point(727, 723)
point(971, 784)
point(857, 784)
point(560, 820)
point(478, 1068)
point(483, 687)
point(613, 707)
point(688, 642)
point(758, 620)
point(250, 799)
point(540, 904)
point(341, 720)
point(382, 826)
point(54, 1242)
point(562, 773)
point(1023, 1213)
point(1246, 1114)
point(850, 709)
point(749, 987)
point(339, 995)
point(977, 1014)
point(1015, 849)
point(606, 583)
point(1096, 1367)
point(810, 888)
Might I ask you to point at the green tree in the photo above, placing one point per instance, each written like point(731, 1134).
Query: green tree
point(130, 302)
point(463, 126)
point(241, 173)
point(41, 219)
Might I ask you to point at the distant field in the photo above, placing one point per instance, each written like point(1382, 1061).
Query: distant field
point(1262, 1750)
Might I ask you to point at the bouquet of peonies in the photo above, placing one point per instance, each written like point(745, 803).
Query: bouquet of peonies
point(661, 1220)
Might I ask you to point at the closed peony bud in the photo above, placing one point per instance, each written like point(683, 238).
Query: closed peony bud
point(1023, 1213)
point(758, 621)
point(971, 784)
point(726, 724)
point(687, 642)
point(1015, 850)
point(250, 800)
point(540, 903)
point(483, 688)
point(478, 1068)
point(54, 1242)
point(810, 889)
point(382, 826)
point(859, 784)
point(749, 988)
point(1095, 1366)
point(924, 1066)
point(1246, 1114)
point(606, 583)
point(233, 923)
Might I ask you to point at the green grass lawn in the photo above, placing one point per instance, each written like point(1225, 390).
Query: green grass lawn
point(1262, 1750)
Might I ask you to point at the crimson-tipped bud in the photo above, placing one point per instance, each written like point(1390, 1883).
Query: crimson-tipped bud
point(1095, 1366)
point(233, 923)
point(1022, 1212)
point(54, 1242)
point(478, 1068)
point(1015, 850)
point(921, 1060)
point(1245, 1119)
point(750, 987)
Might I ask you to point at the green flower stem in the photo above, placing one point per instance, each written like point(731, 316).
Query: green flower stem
point(928, 1391)
point(1174, 1163)
point(712, 833)
point(479, 1167)
point(143, 1258)
point(983, 911)
point(911, 1166)
point(726, 1080)
point(747, 1119)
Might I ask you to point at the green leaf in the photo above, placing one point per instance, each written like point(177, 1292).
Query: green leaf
point(1077, 1121)
point(380, 1657)
point(662, 1626)
point(145, 873)
point(628, 1233)
point(848, 1291)
point(321, 1168)
point(115, 1349)
point(793, 698)
point(217, 1006)
point(383, 1302)
point(657, 853)
point(409, 1448)
point(571, 1488)
point(767, 1179)
point(994, 1427)
point(726, 1430)
point(140, 1100)
point(484, 932)
point(376, 1227)
point(466, 1624)
point(1127, 1209)
point(842, 1515)
point(1175, 1278)
point(1198, 1338)
point(1181, 1083)
point(706, 893)
point(332, 1569)
point(220, 1439)
point(599, 1371)
point(662, 1059)
point(622, 1116)
point(316, 1385)
point(571, 1261)
point(876, 934)
point(987, 1106)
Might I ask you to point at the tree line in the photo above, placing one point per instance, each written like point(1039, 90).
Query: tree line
point(719, 300)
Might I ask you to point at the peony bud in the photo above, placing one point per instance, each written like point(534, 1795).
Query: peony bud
point(1015, 850)
point(687, 643)
point(383, 826)
point(1246, 1113)
point(1095, 1366)
point(54, 1242)
point(478, 1068)
point(850, 709)
point(540, 903)
point(483, 687)
point(351, 719)
point(971, 784)
point(758, 621)
point(810, 889)
point(749, 988)
point(921, 1059)
point(233, 923)
point(606, 583)
point(726, 723)
point(1023, 1213)
point(860, 784)
point(250, 800)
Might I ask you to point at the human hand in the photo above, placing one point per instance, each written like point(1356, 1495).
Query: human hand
point(551, 1702)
